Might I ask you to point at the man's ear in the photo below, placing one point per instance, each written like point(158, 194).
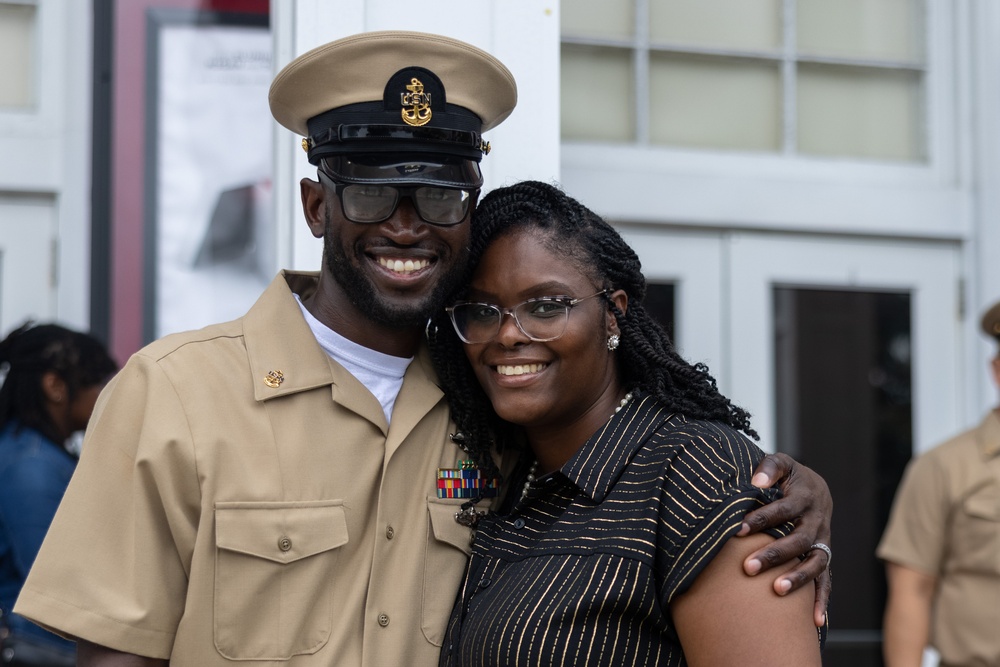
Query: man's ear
point(54, 387)
point(314, 205)
point(995, 365)
point(620, 299)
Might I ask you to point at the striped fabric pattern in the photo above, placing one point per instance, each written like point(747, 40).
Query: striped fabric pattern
point(582, 571)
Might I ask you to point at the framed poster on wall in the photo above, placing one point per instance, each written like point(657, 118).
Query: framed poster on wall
point(209, 248)
point(181, 165)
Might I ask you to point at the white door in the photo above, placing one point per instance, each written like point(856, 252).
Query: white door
point(27, 274)
point(762, 264)
point(691, 264)
point(846, 352)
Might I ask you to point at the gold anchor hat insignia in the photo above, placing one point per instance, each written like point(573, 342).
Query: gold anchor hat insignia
point(416, 104)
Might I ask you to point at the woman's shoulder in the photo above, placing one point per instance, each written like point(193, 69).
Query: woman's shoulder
point(706, 458)
point(682, 437)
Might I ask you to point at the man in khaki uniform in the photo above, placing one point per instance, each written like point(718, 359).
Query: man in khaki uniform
point(266, 491)
point(942, 548)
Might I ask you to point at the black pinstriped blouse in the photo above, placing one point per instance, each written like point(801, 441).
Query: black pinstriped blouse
point(582, 571)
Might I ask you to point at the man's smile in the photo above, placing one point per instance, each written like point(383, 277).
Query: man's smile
point(403, 265)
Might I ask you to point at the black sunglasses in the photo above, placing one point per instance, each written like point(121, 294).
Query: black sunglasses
point(370, 203)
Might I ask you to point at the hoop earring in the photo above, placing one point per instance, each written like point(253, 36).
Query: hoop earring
point(613, 342)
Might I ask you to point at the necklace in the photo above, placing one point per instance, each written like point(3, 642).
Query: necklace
point(533, 470)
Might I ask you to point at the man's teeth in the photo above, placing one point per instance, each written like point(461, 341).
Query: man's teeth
point(403, 266)
point(520, 369)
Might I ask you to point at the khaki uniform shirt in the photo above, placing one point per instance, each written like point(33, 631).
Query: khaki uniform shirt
point(946, 522)
point(218, 515)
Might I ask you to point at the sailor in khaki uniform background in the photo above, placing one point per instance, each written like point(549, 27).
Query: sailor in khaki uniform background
point(267, 490)
point(942, 547)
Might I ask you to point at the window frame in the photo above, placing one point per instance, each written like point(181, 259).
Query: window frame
point(731, 189)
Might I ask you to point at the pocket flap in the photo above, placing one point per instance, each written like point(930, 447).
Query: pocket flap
point(445, 528)
point(280, 532)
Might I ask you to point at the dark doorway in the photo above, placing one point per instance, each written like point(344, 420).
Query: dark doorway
point(844, 408)
point(660, 303)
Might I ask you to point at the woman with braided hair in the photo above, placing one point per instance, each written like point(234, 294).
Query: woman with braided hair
point(51, 377)
point(612, 545)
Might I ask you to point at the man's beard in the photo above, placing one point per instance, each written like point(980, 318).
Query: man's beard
point(366, 296)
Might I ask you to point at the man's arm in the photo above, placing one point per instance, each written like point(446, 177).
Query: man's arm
point(907, 623)
point(93, 655)
point(807, 503)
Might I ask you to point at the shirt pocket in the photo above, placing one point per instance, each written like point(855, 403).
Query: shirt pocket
point(977, 535)
point(449, 545)
point(274, 570)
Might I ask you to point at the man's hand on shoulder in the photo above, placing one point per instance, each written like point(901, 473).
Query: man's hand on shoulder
point(808, 505)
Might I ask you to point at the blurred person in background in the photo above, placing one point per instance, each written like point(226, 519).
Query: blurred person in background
point(51, 379)
point(942, 547)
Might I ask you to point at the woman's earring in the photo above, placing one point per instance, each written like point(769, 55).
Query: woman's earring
point(613, 341)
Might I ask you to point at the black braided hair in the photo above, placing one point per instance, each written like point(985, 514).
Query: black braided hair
point(646, 357)
point(29, 352)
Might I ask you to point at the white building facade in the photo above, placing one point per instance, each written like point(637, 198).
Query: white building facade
point(813, 189)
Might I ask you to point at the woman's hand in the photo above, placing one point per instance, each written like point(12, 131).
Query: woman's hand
point(808, 505)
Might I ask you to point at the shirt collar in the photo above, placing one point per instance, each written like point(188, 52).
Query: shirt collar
point(283, 353)
point(602, 459)
point(279, 340)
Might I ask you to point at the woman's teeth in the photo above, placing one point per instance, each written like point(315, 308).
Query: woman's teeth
point(520, 369)
point(403, 266)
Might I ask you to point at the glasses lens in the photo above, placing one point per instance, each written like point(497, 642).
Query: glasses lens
point(369, 203)
point(543, 319)
point(443, 206)
point(475, 322)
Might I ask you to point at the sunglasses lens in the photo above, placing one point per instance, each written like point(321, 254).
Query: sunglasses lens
point(369, 203)
point(442, 206)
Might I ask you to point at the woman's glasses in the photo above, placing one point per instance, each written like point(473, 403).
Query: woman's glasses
point(541, 319)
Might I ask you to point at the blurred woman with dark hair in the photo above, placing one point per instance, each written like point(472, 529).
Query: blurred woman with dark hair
point(51, 379)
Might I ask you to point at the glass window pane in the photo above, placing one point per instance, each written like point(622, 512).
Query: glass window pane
point(598, 96)
point(743, 24)
point(714, 103)
point(660, 303)
point(843, 380)
point(17, 53)
point(856, 112)
point(874, 29)
point(597, 18)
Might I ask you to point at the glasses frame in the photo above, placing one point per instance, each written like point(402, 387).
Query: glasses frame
point(569, 302)
point(401, 191)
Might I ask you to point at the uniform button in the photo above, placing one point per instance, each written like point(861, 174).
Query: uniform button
point(383, 620)
point(390, 532)
point(519, 523)
point(284, 543)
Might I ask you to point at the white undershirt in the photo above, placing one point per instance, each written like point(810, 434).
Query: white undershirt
point(381, 373)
